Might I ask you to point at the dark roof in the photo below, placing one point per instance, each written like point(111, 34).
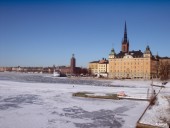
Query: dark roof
point(103, 62)
point(154, 58)
point(94, 62)
point(135, 54)
point(120, 54)
point(164, 57)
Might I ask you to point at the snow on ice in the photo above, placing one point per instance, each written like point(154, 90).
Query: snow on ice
point(38, 101)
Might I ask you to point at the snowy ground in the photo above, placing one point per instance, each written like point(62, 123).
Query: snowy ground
point(39, 101)
point(159, 114)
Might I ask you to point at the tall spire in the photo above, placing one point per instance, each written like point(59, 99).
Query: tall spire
point(125, 27)
point(125, 33)
point(73, 55)
point(125, 42)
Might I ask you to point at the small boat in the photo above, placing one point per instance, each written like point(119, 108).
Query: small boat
point(56, 74)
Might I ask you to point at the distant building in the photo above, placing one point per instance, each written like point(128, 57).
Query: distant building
point(103, 66)
point(99, 68)
point(72, 69)
point(3, 69)
point(93, 67)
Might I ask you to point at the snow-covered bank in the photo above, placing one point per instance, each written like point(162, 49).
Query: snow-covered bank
point(159, 114)
point(43, 105)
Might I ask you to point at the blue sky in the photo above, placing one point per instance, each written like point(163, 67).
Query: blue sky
point(47, 32)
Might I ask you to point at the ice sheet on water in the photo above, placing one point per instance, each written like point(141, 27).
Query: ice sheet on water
point(32, 99)
point(42, 78)
point(18, 100)
point(95, 119)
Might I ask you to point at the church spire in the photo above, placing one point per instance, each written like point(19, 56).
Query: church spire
point(125, 33)
point(125, 42)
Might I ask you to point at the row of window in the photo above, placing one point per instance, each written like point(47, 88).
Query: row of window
point(130, 63)
point(102, 65)
point(130, 59)
point(125, 67)
point(125, 74)
point(102, 70)
point(117, 71)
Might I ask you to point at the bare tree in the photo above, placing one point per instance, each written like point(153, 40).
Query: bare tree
point(164, 70)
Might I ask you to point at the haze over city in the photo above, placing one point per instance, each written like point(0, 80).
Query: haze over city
point(43, 33)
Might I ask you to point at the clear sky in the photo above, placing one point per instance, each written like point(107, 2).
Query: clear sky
point(47, 32)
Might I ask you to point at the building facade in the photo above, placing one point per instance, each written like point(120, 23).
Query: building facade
point(129, 63)
point(72, 69)
point(64, 70)
point(99, 68)
point(93, 67)
point(103, 66)
point(132, 64)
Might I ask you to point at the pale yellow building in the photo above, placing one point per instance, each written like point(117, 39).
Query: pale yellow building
point(132, 64)
point(103, 66)
point(129, 64)
point(93, 67)
point(99, 68)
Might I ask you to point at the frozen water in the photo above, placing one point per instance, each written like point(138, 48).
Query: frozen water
point(48, 78)
point(40, 101)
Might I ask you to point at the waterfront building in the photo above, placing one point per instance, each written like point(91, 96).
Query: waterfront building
point(99, 68)
point(64, 70)
point(132, 64)
point(93, 67)
point(72, 69)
